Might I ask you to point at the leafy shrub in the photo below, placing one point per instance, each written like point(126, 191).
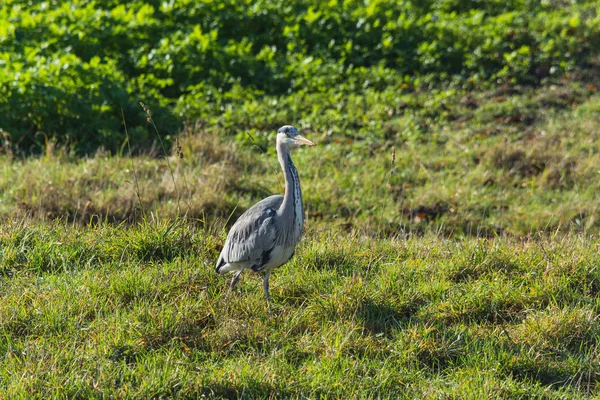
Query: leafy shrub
point(70, 68)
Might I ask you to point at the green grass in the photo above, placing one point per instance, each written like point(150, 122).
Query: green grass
point(138, 311)
point(512, 161)
point(452, 250)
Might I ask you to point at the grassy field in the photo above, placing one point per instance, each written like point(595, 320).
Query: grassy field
point(452, 236)
point(515, 161)
point(462, 268)
point(139, 312)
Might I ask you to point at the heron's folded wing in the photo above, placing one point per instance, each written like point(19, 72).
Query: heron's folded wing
point(254, 233)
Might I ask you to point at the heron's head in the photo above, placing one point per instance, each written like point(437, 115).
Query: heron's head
point(287, 134)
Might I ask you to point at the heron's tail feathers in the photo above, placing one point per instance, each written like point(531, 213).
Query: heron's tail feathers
point(220, 264)
point(223, 267)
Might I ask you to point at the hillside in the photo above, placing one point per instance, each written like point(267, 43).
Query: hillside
point(452, 233)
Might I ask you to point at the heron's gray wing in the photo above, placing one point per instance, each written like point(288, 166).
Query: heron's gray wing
point(253, 235)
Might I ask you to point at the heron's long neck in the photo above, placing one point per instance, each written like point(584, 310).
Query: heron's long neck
point(291, 208)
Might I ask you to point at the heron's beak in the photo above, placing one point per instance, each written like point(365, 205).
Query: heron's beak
point(302, 140)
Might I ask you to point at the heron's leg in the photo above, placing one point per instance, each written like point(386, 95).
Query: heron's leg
point(266, 287)
point(236, 278)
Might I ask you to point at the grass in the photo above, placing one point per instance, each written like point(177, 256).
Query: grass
point(455, 256)
point(103, 311)
point(511, 161)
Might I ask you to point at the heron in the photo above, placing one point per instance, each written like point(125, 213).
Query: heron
point(265, 236)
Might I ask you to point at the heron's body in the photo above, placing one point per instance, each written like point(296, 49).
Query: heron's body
point(266, 235)
point(254, 241)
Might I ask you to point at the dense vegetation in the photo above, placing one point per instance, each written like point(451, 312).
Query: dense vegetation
point(452, 247)
point(70, 67)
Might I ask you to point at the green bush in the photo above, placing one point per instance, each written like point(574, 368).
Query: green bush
point(71, 67)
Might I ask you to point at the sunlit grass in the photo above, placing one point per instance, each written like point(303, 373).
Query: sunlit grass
point(138, 311)
point(481, 177)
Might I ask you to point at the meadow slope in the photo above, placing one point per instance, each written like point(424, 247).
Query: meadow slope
point(515, 161)
point(465, 268)
point(453, 224)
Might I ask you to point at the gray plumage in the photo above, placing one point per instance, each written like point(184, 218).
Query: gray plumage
point(253, 234)
point(265, 236)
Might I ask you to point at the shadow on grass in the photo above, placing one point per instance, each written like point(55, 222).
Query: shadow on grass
point(472, 270)
point(18, 327)
point(252, 389)
point(188, 332)
point(343, 263)
point(381, 318)
point(129, 212)
point(552, 375)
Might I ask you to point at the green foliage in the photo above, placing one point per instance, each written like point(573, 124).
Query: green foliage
point(71, 67)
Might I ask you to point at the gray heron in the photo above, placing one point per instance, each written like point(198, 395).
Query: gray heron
point(265, 236)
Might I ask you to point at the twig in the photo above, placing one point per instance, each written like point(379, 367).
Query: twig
point(166, 156)
point(135, 178)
